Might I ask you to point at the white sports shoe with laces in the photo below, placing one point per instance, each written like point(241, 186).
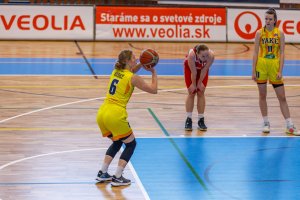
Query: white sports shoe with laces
point(266, 127)
point(291, 130)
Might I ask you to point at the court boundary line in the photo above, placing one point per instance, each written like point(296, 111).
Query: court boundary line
point(99, 98)
point(138, 181)
point(46, 154)
point(181, 154)
point(92, 99)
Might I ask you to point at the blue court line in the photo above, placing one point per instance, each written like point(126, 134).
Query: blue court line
point(77, 66)
point(234, 168)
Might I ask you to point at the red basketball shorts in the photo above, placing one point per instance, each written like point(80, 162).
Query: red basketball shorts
point(188, 79)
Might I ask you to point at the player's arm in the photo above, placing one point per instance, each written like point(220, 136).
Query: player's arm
point(192, 66)
point(191, 62)
point(139, 82)
point(255, 54)
point(136, 68)
point(205, 69)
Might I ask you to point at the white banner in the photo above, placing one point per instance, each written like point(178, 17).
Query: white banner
point(46, 22)
point(243, 24)
point(161, 32)
point(160, 24)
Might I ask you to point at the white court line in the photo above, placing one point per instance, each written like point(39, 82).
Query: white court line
point(87, 100)
point(46, 154)
point(48, 108)
point(98, 98)
point(137, 179)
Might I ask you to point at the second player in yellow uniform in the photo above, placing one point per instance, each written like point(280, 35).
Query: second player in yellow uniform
point(268, 62)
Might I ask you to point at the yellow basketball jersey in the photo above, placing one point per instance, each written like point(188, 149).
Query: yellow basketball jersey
point(119, 87)
point(270, 43)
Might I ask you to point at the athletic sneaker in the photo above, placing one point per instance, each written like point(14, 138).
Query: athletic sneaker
point(120, 181)
point(266, 127)
point(291, 130)
point(201, 124)
point(188, 124)
point(102, 177)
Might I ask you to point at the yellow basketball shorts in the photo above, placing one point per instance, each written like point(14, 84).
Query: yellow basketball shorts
point(267, 69)
point(112, 120)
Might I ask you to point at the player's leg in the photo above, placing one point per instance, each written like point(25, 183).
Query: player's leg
point(112, 118)
point(278, 86)
point(280, 93)
point(261, 79)
point(103, 175)
point(201, 105)
point(101, 121)
point(122, 133)
point(130, 144)
point(189, 102)
point(262, 89)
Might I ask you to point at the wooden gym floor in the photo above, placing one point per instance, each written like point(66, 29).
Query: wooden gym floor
point(50, 145)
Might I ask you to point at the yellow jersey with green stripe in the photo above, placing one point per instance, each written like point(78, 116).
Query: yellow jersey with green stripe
point(270, 43)
point(119, 88)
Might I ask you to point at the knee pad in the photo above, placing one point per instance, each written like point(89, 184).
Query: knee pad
point(128, 151)
point(114, 148)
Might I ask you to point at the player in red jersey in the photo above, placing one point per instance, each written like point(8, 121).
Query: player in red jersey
point(196, 68)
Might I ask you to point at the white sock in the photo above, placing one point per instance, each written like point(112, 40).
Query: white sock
point(104, 167)
point(266, 119)
point(289, 122)
point(119, 172)
point(200, 116)
point(189, 114)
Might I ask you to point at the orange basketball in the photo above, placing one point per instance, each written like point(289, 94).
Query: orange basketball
point(149, 58)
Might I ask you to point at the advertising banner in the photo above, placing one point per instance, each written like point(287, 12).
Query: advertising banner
point(160, 24)
point(46, 22)
point(243, 24)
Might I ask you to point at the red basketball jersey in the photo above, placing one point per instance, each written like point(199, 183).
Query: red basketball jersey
point(198, 63)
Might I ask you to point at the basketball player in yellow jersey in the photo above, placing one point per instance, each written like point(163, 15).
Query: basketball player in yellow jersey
point(268, 60)
point(112, 115)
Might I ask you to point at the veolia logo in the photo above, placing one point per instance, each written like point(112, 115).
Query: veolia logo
point(249, 31)
point(41, 22)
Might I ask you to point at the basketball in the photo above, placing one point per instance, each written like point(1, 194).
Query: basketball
point(149, 58)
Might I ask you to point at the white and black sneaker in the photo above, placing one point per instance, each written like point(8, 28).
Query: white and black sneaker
point(188, 124)
point(120, 181)
point(266, 127)
point(102, 177)
point(201, 125)
point(291, 129)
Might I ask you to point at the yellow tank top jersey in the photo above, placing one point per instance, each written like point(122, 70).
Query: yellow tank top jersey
point(270, 43)
point(119, 87)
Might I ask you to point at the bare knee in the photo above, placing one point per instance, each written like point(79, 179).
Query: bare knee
point(263, 96)
point(200, 94)
point(281, 98)
point(191, 95)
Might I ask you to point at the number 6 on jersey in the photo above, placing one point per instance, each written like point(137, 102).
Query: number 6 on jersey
point(113, 86)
